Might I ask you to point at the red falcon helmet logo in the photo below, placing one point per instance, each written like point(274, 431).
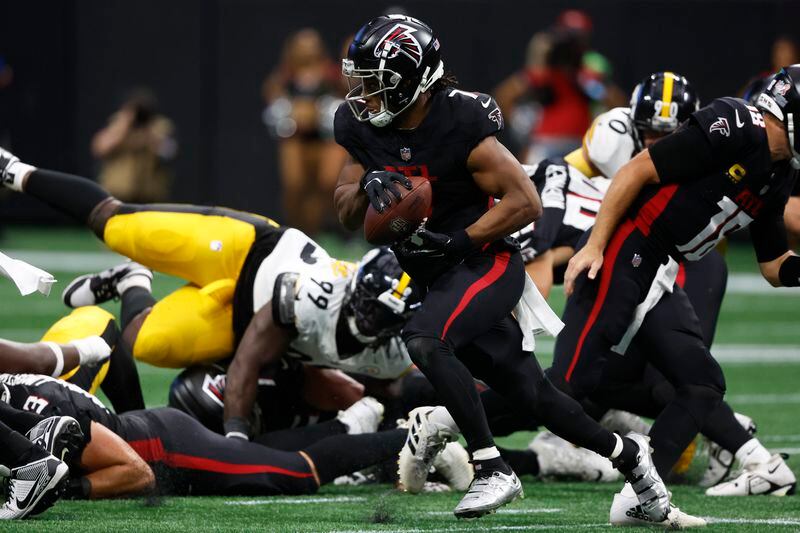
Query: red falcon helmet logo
point(400, 40)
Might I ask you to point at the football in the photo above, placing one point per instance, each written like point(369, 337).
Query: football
point(402, 217)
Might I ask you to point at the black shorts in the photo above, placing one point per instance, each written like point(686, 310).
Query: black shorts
point(471, 298)
point(187, 458)
point(599, 312)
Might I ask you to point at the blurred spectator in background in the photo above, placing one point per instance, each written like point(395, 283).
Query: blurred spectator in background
point(567, 80)
point(6, 105)
point(134, 149)
point(302, 95)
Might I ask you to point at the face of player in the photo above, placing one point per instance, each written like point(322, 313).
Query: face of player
point(368, 89)
point(649, 138)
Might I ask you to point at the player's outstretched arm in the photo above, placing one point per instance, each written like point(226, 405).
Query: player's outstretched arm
point(783, 271)
point(498, 173)
point(49, 358)
point(624, 189)
point(350, 200)
point(263, 344)
point(115, 469)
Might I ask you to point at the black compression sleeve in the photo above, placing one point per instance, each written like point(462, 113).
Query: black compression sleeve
point(789, 273)
point(768, 235)
point(73, 195)
point(683, 156)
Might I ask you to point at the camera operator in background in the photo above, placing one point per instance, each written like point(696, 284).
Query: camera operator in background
point(134, 149)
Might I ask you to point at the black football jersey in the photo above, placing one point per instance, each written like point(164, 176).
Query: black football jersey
point(719, 182)
point(54, 397)
point(437, 149)
point(570, 201)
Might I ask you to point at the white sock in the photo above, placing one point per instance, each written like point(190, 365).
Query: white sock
point(484, 454)
point(19, 171)
point(135, 280)
point(440, 415)
point(752, 452)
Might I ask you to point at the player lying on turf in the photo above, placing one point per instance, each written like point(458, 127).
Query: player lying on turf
point(403, 114)
point(166, 450)
point(256, 290)
point(628, 383)
point(730, 165)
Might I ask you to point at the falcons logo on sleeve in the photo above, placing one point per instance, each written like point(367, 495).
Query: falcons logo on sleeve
point(721, 126)
point(400, 40)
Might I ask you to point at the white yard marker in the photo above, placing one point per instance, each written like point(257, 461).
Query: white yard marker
point(299, 501)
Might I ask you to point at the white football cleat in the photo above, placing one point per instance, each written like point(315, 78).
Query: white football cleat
point(453, 465)
point(720, 460)
point(362, 417)
point(487, 493)
point(646, 483)
point(774, 478)
point(61, 436)
point(626, 511)
point(426, 439)
point(622, 422)
point(93, 289)
point(559, 459)
point(34, 487)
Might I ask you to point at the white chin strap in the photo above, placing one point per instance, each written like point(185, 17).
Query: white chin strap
point(795, 160)
point(384, 116)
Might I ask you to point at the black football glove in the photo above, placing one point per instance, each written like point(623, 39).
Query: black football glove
point(425, 243)
point(376, 183)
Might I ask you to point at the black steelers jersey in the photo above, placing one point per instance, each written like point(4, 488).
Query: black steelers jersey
point(570, 201)
point(716, 177)
point(437, 149)
point(54, 397)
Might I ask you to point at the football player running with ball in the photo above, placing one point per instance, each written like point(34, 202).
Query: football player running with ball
point(731, 165)
point(402, 117)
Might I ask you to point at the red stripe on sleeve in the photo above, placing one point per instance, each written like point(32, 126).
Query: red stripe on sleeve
point(497, 270)
point(653, 208)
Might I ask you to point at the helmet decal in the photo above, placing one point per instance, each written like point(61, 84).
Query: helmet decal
point(399, 40)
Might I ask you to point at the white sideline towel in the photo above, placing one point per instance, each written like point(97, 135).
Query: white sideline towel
point(535, 316)
point(27, 278)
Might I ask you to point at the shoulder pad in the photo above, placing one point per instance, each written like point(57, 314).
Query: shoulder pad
point(609, 141)
point(478, 110)
point(731, 122)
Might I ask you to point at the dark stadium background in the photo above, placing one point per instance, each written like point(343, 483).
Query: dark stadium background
point(75, 59)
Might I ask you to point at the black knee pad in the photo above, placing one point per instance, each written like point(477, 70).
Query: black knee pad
point(423, 350)
point(698, 400)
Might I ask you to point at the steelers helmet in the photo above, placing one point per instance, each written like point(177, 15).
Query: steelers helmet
point(381, 297)
point(660, 103)
point(395, 58)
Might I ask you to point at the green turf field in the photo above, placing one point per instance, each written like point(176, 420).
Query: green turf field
point(758, 344)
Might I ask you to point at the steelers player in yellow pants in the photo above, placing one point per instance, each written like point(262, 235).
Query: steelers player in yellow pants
point(117, 377)
point(211, 248)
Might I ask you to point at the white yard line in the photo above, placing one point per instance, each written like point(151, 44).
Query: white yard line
point(766, 399)
point(780, 438)
point(753, 521)
point(503, 511)
point(298, 501)
point(483, 527)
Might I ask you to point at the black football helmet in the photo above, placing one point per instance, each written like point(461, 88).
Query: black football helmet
point(381, 297)
point(395, 58)
point(199, 391)
point(754, 89)
point(660, 103)
point(781, 98)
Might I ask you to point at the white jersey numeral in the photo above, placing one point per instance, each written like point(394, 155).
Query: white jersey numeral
point(729, 219)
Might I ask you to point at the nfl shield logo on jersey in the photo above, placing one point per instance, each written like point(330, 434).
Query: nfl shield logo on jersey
point(636, 261)
point(405, 153)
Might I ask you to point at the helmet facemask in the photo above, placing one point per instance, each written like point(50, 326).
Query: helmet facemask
point(395, 94)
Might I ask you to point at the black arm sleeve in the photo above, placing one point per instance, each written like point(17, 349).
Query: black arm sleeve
point(545, 231)
point(683, 156)
point(768, 234)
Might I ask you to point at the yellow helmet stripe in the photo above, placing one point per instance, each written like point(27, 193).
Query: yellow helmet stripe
point(666, 93)
point(405, 279)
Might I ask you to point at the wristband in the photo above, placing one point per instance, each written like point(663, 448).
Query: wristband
point(237, 428)
point(789, 272)
point(91, 350)
point(56, 349)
